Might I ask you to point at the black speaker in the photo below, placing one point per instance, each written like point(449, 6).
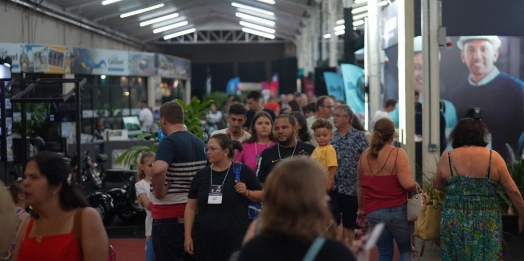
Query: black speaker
point(320, 83)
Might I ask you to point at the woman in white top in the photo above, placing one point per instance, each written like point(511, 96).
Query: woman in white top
point(143, 193)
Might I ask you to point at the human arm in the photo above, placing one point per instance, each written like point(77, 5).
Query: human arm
point(509, 186)
point(332, 163)
point(404, 175)
point(94, 237)
point(249, 187)
point(20, 236)
point(164, 155)
point(438, 180)
point(189, 220)
point(141, 194)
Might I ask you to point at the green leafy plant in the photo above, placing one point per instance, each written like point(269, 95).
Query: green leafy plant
point(220, 98)
point(194, 112)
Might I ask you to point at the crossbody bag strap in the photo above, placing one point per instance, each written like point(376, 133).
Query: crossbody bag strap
point(77, 228)
point(314, 249)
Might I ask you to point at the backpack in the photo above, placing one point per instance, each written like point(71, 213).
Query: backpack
point(253, 208)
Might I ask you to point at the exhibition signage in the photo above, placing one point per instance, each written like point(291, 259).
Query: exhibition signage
point(56, 59)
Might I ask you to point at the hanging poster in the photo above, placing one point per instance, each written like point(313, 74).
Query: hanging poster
point(99, 61)
point(172, 66)
point(50, 59)
point(142, 64)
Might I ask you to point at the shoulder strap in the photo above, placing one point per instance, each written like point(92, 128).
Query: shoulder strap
point(451, 163)
point(237, 169)
point(489, 166)
point(77, 229)
point(29, 227)
point(395, 165)
point(314, 249)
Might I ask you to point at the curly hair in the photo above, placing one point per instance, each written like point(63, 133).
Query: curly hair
point(468, 132)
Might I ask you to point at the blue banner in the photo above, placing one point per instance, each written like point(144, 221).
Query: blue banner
point(353, 81)
point(334, 85)
point(232, 86)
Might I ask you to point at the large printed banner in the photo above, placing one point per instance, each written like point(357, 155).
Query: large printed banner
point(52, 59)
point(100, 61)
point(56, 59)
point(172, 66)
point(479, 73)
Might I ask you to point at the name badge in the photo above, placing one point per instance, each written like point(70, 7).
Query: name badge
point(215, 195)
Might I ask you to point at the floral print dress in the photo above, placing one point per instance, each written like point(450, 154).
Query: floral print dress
point(471, 224)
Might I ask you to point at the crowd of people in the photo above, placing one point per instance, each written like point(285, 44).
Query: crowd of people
point(313, 174)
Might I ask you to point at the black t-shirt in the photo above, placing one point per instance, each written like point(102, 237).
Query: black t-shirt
point(270, 157)
point(220, 228)
point(262, 248)
point(251, 114)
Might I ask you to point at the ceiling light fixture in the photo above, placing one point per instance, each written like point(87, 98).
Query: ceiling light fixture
point(271, 2)
point(341, 21)
point(169, 27)
point(159, 19)
point(254, 19)
point(143, 10)
point(254, 9)
point(251, 31)
point(327, 36)
point(358, 22)
point(365, 8)
point(188, 31)
point(107, 2)
point(257, 27)
point(360, 16)
point(340, 27)
point(340, 32)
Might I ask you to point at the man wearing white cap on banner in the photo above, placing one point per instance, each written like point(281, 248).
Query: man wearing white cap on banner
point(499, 96)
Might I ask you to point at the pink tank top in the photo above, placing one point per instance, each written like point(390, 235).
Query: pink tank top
point(382, 191)
point(50, 248)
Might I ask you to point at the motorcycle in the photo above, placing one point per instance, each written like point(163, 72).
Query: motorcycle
point(103, 203)
point(89, 169)
point(121, 201)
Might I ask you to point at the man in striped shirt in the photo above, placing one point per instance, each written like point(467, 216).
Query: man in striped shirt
point(179, 156)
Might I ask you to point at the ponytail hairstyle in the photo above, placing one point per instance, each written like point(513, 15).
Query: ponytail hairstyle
point(226, 142)
point(383, 132)
point(146, 155)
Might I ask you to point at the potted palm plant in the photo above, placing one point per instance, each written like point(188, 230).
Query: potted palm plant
point(194, 112)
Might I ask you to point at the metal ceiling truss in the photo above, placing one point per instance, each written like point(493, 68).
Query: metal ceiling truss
point(220, 37)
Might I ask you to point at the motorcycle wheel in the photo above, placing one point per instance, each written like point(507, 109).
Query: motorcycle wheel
point(104, 211)
point(128, 215)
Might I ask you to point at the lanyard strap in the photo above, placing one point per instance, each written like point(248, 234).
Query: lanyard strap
point(211, 169)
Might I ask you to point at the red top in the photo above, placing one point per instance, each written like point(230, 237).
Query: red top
point(382, 191)
point(50, 248)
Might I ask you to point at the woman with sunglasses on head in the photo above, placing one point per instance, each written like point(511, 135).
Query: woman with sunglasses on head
point(262, 137)
point(220, 201)
point(66, 229)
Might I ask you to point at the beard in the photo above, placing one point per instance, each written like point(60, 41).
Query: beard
point(287, 142)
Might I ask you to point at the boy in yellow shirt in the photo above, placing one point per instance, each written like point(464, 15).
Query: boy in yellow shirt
point(325, 153)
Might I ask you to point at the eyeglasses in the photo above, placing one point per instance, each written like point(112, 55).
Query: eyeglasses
point(330, 107)
point(212, 149)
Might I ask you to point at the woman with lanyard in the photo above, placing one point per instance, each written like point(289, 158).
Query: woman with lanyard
point(222, 220)
point(262, 137)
